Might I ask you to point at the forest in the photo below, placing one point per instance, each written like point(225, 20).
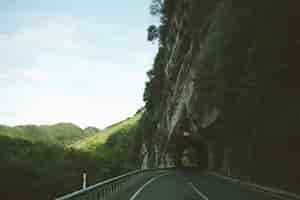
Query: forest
point(44, 162)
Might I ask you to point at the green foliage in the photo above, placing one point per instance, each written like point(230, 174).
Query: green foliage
point(58, 134)
point(153, 33)
point(94, 142)
point(154, 87)
point(122, 148)
point(117, 143)
point(38, 169)
point(91, 130)
point(42, 172)
point(156, 7)
point(164, 11)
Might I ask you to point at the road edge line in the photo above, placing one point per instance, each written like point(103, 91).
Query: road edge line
point(203, 196)
point(277, 193)
point(146, 184)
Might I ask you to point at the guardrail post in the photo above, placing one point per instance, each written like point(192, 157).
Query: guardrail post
point(84, 181)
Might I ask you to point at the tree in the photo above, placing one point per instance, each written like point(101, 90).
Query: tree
point(153, 33)
point(156, 7)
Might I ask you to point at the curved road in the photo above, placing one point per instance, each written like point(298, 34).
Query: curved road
point(178, 185)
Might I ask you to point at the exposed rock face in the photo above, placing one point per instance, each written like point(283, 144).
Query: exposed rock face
point(184, 111)
point(145, 157)
point(230, 81)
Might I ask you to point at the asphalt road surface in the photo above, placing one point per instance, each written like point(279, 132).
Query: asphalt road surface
point(183, 185)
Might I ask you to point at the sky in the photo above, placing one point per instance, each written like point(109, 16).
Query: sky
point(83, 62)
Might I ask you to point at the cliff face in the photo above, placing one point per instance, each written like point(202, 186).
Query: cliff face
point(224, 90)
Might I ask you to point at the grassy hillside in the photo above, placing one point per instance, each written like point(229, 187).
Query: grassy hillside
point(117, 143)
point(33, 166)
point(95, 142)
point(58, 134)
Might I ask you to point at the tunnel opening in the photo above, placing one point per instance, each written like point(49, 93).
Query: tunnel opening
point(190, 151)
point(189, 147)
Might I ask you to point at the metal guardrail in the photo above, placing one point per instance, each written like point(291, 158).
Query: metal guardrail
point(105, 190)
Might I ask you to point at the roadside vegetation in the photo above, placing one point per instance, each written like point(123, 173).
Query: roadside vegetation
point(43, 162)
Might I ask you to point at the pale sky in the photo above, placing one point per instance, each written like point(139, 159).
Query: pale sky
point(75, 61)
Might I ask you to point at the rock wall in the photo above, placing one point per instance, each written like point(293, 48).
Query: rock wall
point(230, 81)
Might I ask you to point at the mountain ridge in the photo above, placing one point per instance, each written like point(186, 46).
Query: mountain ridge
point(62, 133)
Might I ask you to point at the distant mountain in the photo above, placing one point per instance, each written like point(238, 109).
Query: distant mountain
point(93, 143)
point(92, 130)
point(58, 134)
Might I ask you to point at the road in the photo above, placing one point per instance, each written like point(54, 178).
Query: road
point(180, 185)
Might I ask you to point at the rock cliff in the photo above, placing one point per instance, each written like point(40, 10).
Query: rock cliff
point(224, 90)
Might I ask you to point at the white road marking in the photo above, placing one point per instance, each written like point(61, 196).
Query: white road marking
point(197, 191)
point(147, 183)
point(254, 187)
point(270, 194)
